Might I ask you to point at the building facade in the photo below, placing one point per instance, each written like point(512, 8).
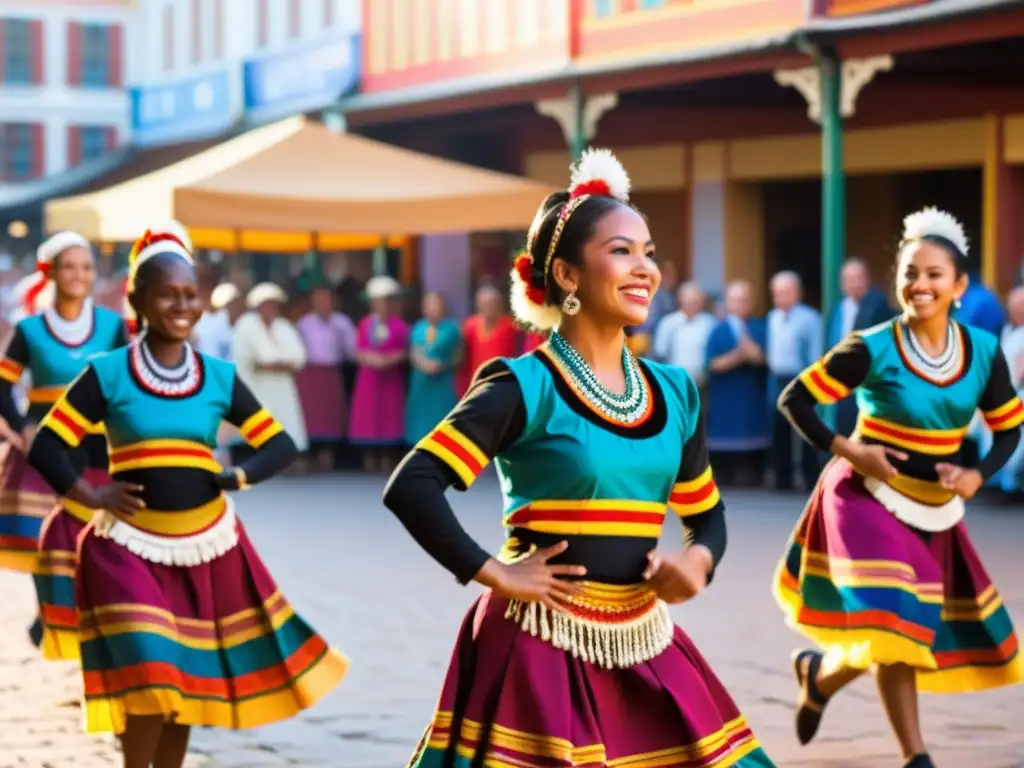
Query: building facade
point(203, 65)
point(63, 69)
point(716, 108)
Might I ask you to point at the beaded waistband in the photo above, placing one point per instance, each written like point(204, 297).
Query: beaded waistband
point(611, 626)
point(606, 624)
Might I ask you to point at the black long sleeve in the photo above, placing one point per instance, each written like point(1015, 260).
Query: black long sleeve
point(486, 421)
point(695, 497)
point(1003, 414)
point(16, 358)
point(53, 451)
point(828, 381)
point(275, 449)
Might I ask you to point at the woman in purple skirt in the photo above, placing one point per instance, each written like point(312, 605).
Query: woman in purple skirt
point(62, 329)
point(880, 572)
point(180, 624)
point(570, 657)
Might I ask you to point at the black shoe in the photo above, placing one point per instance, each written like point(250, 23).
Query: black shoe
point(811, 705)
point(35, 633)
point(920, 761)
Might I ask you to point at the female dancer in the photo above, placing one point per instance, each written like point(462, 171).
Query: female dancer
point(593, 447)
point(880, 570)
point(181, 625)
point(53, 346)
point(435, 352)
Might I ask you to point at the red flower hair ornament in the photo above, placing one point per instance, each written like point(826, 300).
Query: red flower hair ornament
point(598, 173)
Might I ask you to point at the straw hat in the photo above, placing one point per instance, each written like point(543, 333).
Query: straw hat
point(382, 287)
point(264, 292)
point(223, 295)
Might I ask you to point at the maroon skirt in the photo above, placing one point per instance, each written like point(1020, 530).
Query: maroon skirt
point(510, 698)
point(322, 395)
point(25, 499)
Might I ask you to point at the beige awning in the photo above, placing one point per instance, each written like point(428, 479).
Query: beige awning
point(296, 176)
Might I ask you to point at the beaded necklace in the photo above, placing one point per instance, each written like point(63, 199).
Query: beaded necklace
point(626, 408)
point(181, 380)
point(942, 367)
point(70, 333)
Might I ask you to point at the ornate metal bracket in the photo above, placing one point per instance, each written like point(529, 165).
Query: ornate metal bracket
point(857, 73)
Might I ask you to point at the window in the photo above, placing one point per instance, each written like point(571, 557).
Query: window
point(93, 142)
point(95, 48)
point(601, 8)
point(16, 45)
point(20, 147)
point(649, 4)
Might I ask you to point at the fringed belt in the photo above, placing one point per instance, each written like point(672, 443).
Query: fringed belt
point(606, 624)
point(186, 538)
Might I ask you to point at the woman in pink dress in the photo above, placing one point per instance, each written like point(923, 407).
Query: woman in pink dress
point(378, 400)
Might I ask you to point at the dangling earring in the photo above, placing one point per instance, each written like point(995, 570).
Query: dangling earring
point(571, 305)
point(956, 303)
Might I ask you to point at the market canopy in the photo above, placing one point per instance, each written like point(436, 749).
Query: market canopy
point(296, 177)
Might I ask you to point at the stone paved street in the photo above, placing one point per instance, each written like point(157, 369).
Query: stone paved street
point(349, 567)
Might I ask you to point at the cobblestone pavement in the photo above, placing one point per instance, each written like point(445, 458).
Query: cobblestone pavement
point(350, 569)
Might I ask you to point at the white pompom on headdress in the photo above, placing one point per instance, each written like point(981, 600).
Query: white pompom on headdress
point(931, 222)
point(598, 173)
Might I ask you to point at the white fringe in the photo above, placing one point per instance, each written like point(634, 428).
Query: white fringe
point(185, 551)
point(607, 645)
point(914, 513)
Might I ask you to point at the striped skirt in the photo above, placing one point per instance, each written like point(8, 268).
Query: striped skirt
point(54, 575)
point(512, 699)
point(25, 500)
point(868, 590)
point(214, 644)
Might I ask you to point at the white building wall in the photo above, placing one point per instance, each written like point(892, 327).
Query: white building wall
point(55, 104)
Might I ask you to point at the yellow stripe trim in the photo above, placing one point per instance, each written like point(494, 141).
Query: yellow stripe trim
point(249, 425)
point(77, 510)
point(924, 491)
point(466, 473)
point(45, 395)
point(180, 522)
point(11, 371)
point(689, 486)
point(819, 394)
point(1001, 411)
point(205, 461)
point(464, 442)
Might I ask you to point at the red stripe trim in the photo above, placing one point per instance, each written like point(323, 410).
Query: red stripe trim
point(148, 453)
point(1011, 414)
point(463, 455)
point(529, 514)
point(67, 421)
point(820, 383)
point(690, 498)
point(910, 437)
point(263, 426)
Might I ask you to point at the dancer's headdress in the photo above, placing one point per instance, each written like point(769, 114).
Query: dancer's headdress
point(170, 238)
point(939, 227)
point(36, 290)
point(598, 173)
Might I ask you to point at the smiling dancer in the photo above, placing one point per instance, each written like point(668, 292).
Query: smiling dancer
point(593, 448)
point(61, 330)
point(880, 570)
point(181, 624)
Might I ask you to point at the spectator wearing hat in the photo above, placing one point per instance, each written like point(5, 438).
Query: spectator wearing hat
point(268, 354)
point(214, 332)
point(378, 401)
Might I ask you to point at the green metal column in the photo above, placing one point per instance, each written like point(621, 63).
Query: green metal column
point(578, 141)
point(833, 181)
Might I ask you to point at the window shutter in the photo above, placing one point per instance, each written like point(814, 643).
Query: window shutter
point(38, 53)
point(115, 56)
point(111, 141)
point(38, 151)
point(74, 53)
point(74, 146)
